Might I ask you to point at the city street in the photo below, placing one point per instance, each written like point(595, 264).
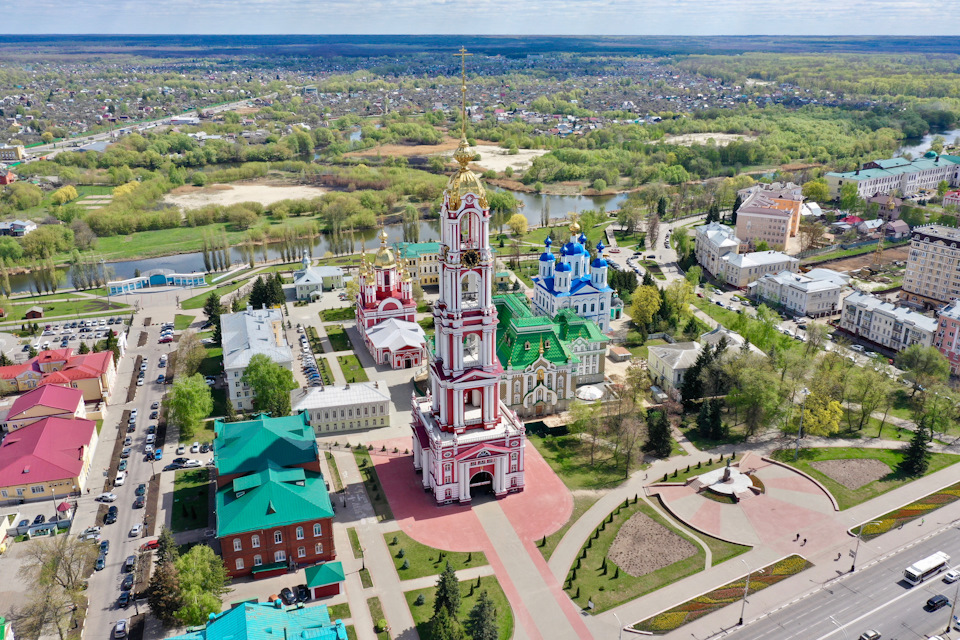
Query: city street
point(875, 598)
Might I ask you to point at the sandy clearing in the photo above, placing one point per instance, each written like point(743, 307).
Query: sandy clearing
point(643, 545)
point(446, 147)
point(497, 159)
point(193, 197)
point(853, 473)
point(722, 139)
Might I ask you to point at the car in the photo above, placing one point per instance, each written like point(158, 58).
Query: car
point(148, 450)
point(161, 378)
point(287, 595)
point(143, 366)
point(110, 518)
point(937, 602)
point(155, 405)
point(151, 429)
point(151, 438)
point(870, 635)
point(195, 447)
point(132, 427)
point(127, 441)
point(210, 381)
point(180, 460)
point(124, 599)
point(90, 530)
point(141, 489)
point(180, 451)
point(951, 576)
point(168, 339)
point(127, 583)
point(125, 453)
point(204, 448)
point(192, 464)
point(107, 497)
point(120, 630)
point(120, 479)
point(40, 519)
point(303, 593)
point(26, 348)
point(101, 563)
point(150, 545)
point(158, 455)
point(122, 466)
point(858, 348)
point(140, 502)
point(162, 364)
point(104, 547)
point(154, 415)
point(139, 382)
point(130, 563)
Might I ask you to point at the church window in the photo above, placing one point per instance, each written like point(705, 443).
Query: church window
point(539, 376)
point(526, 346)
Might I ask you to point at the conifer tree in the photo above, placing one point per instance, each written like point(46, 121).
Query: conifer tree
point(483, 619)
point(448, 592)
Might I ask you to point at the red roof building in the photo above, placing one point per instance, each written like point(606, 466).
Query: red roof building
point(46, 459)
point(43, 402)
point(92, 373)
point(7, 177)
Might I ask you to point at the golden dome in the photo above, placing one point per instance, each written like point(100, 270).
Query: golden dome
point(384, 257)
point(574, 227)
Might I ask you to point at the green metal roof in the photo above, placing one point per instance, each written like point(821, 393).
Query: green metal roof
point(264, 621)
point(320, 575)
point(271, 498)
point(412, 250)
point(896, 166)
point(242, 447)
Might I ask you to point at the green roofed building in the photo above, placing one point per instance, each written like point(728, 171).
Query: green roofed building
point(422, 260)
point(273, 508)
point(544, 359)
point(906, 177)
point(265, 621)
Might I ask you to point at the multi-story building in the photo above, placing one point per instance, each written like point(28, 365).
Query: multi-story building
point(712, 242)
point(544, 359)
point(272, 504)
point(310, 282)
point(246, 334)
point(947, 338)
point(422, 259)
point(951, 198)
point(906, 177)
point(386, 311)
point(669, 363)
point(14, 153)
point(264, 621)
point(769, 216)
point(815, 293)
point(932, 277)
point(334, 409)
point(575, 282)
point(91, 373)
point(882, 323)
point(739, 270)
point(43, 402)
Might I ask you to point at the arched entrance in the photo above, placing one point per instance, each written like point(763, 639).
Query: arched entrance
point(481, 483)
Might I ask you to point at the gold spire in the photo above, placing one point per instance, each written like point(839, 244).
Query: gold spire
point(384, 257)
point(464, 181)
point(541, 345)
point(574, 227)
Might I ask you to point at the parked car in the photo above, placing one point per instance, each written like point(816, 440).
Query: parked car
point(120, 479)
point(288, 597)
point(151, 438)
point(155, 405)
point(125, 453)
point(149, 545)
point(192, 464)
point(141, 489)
point(40, 519)
point(120, 630)
point(858, 348)
point(104, 547)
point(161, 378)
point(130, 563)
point(140, 382)
point(195, 447)
point(180, 451)
point(165, 340)
point(122, 466)
point(124, 599)
point(100, 564)
point(303, 593)
point(158, 455)
point(127, 583)
point(204, 448)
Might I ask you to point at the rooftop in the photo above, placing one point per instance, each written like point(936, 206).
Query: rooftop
point(52, 395)
point(902, 314)
point(264, 621)
point(895, 167)
point(49, 449)
point(336, 396)
point(759, 259)
point(681, 355)
point(249, 332)
point(241, 447)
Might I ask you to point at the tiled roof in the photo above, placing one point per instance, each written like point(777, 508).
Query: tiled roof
point(53, 396)
point(242, 447)
point(320, 575)
point(896, 166)
point(336, 396)
point(264, 621)
point(49, 449)
point(250, 332)
point(274, 497)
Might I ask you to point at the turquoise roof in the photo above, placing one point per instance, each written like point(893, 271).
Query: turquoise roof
point(271, 498)
point(412, 250)
point(263, 621)
point(320, 575)
point(242, 447)
point(896, 166)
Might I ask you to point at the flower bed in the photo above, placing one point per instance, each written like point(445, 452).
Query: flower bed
point(674, 618)
point(907, 513)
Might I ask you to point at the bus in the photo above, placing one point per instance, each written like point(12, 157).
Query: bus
point(923, 569)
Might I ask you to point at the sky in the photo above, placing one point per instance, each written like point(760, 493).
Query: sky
point(483, 17)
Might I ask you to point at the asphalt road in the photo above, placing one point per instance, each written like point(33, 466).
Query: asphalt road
point(104, 586)
point(875, 597)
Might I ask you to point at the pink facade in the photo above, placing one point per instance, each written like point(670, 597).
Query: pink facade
point(947, 338)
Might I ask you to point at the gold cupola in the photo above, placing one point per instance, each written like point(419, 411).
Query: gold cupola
point(384, 257)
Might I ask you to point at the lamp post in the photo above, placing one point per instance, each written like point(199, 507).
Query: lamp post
point(856, 550)
point(834, 621)
point(953, 606)
point(746, 589)
point(363, 560)
point(619, 625)
point(803, 403)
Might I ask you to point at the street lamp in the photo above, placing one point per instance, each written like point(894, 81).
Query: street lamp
point(746, 589)
point(803, 403)
point(834, 621)
point(953, 607)
point(853, 565)
point(620, 625)
point(363, 560)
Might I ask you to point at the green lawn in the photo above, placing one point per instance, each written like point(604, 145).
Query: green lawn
point(34, 298)
point(354, 542)
point(581, 503)
point(219, 402)
point(427, 561)
point(846, 497)
point(612, 587)
point(654, 269)
point(334, 472)
point(337, 315)
point(371, 482)
point(203, 434)
point(643, 351)
point(469, 594)
point(570, 459)
point(191, 495)
point(324, 368)
point(197, 302)
point(72, 308)
point(689, 471)
point(339, 340)
point(376, 612)
point(339, 611)
point(212, 364)
point(181, 321)
point(352, 371)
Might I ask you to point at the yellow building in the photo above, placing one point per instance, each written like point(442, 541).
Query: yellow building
point(422, 260)
point(12, 154)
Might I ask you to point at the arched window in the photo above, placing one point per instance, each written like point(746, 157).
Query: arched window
point(277, 537)
point(317, 529)
point(299, 533)
point(257, 561)
point(255, 541)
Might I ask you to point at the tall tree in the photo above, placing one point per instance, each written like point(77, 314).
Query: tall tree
point(924, 366)
point(444, 626)
point(658, 435)
point(190, 353)
point(203, 583)
point(167, 549)
point(259, 294)
point(448, 593)
point(189, 402)
point(483, 619)
point(644, 305)
point(164, 595)
point(271, 385)
point(916, 456)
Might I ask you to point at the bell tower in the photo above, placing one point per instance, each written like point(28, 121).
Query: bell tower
point(463, 403)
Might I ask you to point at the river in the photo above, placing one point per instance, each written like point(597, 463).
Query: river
point(429, 230)
point(919, 146)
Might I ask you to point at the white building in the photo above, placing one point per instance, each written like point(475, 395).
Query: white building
point(332, 409)
point(712, 242)
point(245, 334)
point(741, 269)
point(898, 174)
point(881, 322)
point(310, 282)
point(814, 294)
point(668, 363)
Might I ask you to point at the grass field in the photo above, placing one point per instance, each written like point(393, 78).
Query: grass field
point(339, 611)
point(72, 308)
point(203, 434)
point(197, 302)
point(181, 321)
point(352, 371)
point(191, 495)
point(339, 340)
point(337, 315)
point(376, 612)
point(847, 497)
point(427, 561)
point(569, 457)
point(371, 482)
point(469, 594)
point(335, 481)
point(581, 503)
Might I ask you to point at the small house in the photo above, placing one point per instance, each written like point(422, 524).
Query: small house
point(34, 313)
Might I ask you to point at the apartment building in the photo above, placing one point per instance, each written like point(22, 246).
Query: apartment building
point(898, 174)
point(741, 269)
point(885, 324)
point(947, 338)
point(422, 259)
point(814, 294)
point(770, 216)
point(711, 243)
point(246, 334)
point(352, 407)
point(13, 153)
point(932, 277)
